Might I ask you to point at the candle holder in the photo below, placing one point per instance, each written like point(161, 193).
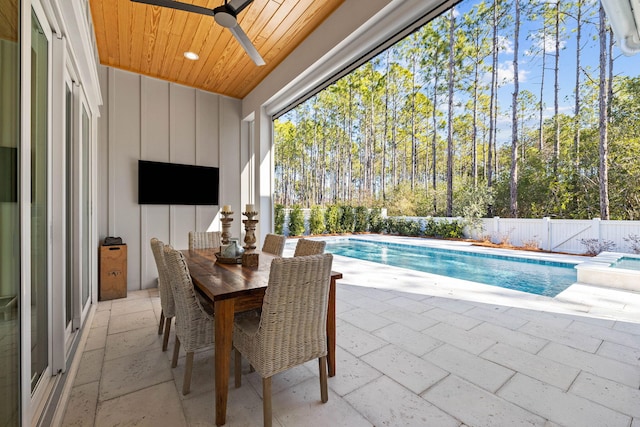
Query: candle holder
point(250, 228)
point(226, 226)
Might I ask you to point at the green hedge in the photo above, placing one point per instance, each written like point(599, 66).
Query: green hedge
point(296, 221)
point(316, 221)
point(278, 220)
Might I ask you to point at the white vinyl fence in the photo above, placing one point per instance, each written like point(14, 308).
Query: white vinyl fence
point(557, 235)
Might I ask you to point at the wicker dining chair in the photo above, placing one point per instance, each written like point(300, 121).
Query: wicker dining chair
point(194, 326)
point(274, 244)
point(306, 247)
point(204, 239)
point(166, 294)
point(292, 327)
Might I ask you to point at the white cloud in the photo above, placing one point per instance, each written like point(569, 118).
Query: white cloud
point(505, 45)
point(547, 41)
point(505, 73)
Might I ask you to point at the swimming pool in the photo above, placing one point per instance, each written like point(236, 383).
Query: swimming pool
point(539, 277)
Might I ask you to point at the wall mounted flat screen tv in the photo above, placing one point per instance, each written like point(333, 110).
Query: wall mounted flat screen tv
point(177, 184)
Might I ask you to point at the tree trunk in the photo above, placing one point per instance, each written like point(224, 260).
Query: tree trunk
point(514, 117)
point(556, 91)
point(604, 119)
point(450, 148)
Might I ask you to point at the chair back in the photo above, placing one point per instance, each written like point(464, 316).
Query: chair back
point(306, 247)
point(293, 324)
point(204, 239)
point(189, 311)
point(164, 285)
point(274, 244)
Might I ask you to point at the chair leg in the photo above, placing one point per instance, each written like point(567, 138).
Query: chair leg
point(186, 385)
point(167, 331)
point(237, 368)
point(161, 323)
point(324, 395)
point(176, 351)
point(266, 401)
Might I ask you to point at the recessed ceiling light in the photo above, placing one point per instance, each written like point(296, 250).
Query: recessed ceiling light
point(191, 55)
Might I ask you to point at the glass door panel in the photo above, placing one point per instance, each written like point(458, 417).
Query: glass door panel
point(9, 214)
point(68, 206)
point(39, 213)
point(86, 212)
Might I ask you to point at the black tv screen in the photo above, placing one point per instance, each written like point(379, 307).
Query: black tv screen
point(176, 184)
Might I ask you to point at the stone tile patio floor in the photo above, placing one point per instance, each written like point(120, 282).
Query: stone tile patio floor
point(414, 349)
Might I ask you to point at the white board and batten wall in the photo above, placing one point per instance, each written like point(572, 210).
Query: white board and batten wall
point(149, 119)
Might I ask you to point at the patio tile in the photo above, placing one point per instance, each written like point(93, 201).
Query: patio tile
point(130, 342)
point(244, 408)
point(538, 367)
point(82, 404)
point(595, 364)
point(562, 336)
point(101, 319)
point(202, 378)
point(608, 393)
point(355, 340)
point(466, 340)
point(540, 317)
point(284, 380)
point(386, 403)
point(90, 368)
point(135, 372)
point(606, 334)
point(408, 339)
point(371, 304)
point(495, 317)
point(481, 372)
point(629, 327)
point(477, 407)
point(351, 373)
point(558, 406)
point(451, 304)
point(104, 306)
point(301, 405)
point(410, 371)
point(408, 304)
point(97, 338)
point(127, 306)
point(417, 322)
point(131, 321)
point(160, 403)
point(513, 338)
point(619, 352)
point(451, 318)
point(365, 320)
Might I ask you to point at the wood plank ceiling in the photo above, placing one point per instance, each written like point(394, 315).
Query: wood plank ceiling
point(151, 40)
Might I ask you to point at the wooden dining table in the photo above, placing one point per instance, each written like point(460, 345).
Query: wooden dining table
point(234, 288)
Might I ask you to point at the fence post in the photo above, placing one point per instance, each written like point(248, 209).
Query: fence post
point(496, 229)
point(595, 228)
point(546, 233)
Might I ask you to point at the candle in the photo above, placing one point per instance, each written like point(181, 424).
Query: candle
point(226, 208)
point(250, 208)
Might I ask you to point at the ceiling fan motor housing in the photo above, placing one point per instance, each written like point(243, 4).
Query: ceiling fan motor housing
point(225, 16)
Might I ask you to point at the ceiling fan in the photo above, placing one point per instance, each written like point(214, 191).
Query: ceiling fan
point(225, 15)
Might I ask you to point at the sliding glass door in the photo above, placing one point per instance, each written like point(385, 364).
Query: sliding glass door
point(39, 202)
point(9, 213)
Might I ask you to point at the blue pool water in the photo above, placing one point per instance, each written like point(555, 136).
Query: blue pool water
point(534, 276)
point(628, 263)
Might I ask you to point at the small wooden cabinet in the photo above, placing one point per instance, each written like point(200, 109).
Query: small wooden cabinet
point(113, 272)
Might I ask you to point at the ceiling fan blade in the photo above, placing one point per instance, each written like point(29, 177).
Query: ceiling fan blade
point(239, 5)
point(246, 44)
point(177, 5)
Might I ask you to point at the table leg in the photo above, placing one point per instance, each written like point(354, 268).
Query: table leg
point(224, 310)
point(331, 329)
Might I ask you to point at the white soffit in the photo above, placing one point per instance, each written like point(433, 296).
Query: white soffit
point(624, 17)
